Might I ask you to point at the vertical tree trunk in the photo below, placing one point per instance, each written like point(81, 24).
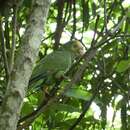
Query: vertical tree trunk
point(23, 65)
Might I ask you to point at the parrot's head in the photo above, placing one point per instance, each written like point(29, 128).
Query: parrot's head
point(77, 48)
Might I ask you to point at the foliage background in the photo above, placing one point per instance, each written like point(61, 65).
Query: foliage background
point(99, 98)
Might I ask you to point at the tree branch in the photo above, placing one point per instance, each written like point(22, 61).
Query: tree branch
point(74, 18)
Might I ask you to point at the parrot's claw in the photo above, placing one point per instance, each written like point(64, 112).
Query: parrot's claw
point(61, 75)
point(66, 77)
point(47, 94)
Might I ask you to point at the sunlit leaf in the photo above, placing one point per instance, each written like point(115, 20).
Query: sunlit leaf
point(78, 93)
point(123, 66)
point(26, 109)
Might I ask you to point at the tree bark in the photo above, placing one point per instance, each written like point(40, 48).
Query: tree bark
point(25, 59)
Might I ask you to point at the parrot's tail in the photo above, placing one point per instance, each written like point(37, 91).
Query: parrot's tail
point(36, 83)
point(36, 78)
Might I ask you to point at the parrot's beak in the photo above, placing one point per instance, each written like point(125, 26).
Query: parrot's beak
point(78, 48)
point(82, 51)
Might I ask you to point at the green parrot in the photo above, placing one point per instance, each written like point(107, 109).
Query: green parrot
point(53, 66)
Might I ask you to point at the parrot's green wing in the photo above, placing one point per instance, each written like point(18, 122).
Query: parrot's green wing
point(51, 64)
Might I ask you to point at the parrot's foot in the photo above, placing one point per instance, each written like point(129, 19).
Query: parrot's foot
point(61, 75)
point(46, 91)
point(65, 77)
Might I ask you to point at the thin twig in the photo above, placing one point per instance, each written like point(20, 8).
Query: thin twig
point(4, 51)
point(74, 18)
point(95, 30)
point(7, 33)
point(13, 37)
point(111, 9)
point(105, 16)
point(66, 11)
point(69, 11)
point(118, 26)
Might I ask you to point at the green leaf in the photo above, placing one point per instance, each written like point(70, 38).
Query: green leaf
point(27, 108)
point(78, 93)
point(123, 66)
